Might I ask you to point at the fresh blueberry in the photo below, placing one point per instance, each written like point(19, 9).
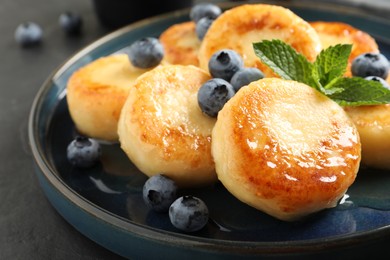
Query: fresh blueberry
point(224, 63)
point(213, 95)
point(146, 52)
point(70, 22)
point(28, 33)
point(83, 152)
point(188, 213)
point(204, 10)
point(202, 26)
point(370, 64)
point(159, 192)
point(380, 80)
point(245, 76)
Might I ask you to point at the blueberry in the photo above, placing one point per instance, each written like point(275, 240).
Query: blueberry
point(28, 33)
point(70, 22)
point(204, 10)
point(159, 192)
point(380, 80)
point(188, 213)
point(245, 76)
point(83, 152)
point(213, 95)
point(370, 64)
point(202, 27)
point(224, 63)
point(146, 52)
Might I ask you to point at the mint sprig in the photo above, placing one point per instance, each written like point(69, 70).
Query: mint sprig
point(357, 92)
point(331, 63)
point(324, 74)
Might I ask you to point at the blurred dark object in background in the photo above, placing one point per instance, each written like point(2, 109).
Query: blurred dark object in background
point(117, 13)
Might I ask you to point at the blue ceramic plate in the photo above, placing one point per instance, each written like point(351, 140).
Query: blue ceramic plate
point(105, 202)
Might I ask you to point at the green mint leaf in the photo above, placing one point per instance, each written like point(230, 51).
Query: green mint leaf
point(359, 91)
point(284, 61)
point(331, 64)
point(325, 74)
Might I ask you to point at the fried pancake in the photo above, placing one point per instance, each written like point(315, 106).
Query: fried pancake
point(332, 33)
point(239, 27)
point(96, 94)
point(163, 130)
point(373, 124)
point(285, 157)
point(181, 44)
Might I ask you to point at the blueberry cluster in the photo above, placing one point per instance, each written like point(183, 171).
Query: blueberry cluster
point(371, 66)
point(30, 33)
point(187, 213)
point(229, 75)
point(203, 15)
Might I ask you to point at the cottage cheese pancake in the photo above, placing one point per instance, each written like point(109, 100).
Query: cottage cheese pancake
point(181, 44)
point(240, 27)
point(96, 94)
point(284, 148)
point(162, 129)
point(373, 124)
point(332, 33)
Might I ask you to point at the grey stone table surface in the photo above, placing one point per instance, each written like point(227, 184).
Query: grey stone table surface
point(30, 228)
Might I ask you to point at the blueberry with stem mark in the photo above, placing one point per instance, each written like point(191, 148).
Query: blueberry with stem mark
point(83, 152)
point(213, 95)
point(28, 34)
point(159, 192)
point(146, 53)
point(370, 64)
point(224, 63)
point(188, 213)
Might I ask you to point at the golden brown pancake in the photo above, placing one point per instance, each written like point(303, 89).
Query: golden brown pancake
point(96, 94)
point(240, 27)
point(373, 124)
point(181, 44)
point(163, 130)
point(332, 33)
point(284, 148)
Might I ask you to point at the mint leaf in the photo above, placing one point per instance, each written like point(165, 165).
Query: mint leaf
point(331, 63)
point(284, 61)
point(359, 91)
point(325, 74)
